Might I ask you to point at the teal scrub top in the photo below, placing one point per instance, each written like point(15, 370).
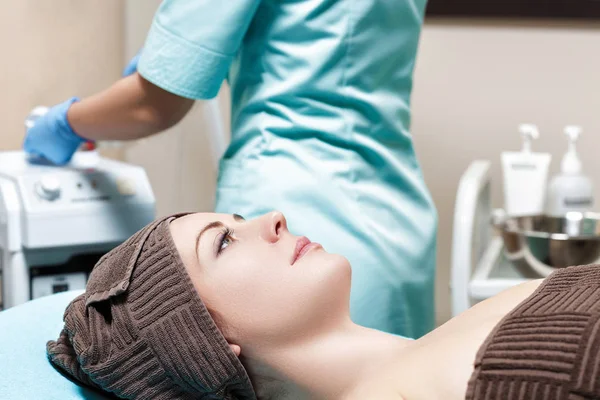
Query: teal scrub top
point(320, 131)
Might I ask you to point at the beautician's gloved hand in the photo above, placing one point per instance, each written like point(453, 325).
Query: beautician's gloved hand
point(131, 68)
point(52, 137)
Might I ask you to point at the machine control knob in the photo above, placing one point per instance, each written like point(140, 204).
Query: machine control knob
point(48, 187)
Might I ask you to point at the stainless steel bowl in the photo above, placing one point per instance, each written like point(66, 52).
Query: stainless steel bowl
point(539, 244)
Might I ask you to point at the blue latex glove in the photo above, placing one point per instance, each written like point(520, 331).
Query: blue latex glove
point(131, 68)
point(52, 137)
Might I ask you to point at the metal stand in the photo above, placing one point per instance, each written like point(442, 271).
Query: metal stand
point(479, 269)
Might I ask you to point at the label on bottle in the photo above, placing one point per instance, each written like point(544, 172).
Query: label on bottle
point(585, 202)
point(520, 166)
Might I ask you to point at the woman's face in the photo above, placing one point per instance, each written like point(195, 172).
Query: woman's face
point(262, 283)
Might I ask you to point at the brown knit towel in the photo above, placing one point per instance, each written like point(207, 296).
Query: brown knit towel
point(141, 331)
point(548, 347)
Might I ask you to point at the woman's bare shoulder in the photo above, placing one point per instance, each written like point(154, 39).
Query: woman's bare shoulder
point(447, 353)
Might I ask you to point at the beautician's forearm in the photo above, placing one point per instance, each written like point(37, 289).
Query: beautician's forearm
point(132, 108)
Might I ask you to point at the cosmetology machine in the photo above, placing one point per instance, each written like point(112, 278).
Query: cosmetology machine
point(538, 230)
point(56, 222)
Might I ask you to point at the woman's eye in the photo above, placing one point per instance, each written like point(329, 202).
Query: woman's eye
point(224, 243)
point(225, 240)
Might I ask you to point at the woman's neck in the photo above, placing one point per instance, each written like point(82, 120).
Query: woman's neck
point(326, 366)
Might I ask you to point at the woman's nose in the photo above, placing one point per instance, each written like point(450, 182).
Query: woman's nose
point(274, 226)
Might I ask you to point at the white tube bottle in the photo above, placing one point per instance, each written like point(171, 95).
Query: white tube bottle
point(525, 176)
point(570, 190)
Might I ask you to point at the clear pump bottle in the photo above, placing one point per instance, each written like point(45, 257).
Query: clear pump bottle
point(570, 190)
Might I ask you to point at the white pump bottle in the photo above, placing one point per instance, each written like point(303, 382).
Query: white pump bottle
point(570, 190)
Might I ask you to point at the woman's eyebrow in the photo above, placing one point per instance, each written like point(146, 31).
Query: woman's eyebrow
point(212, 225)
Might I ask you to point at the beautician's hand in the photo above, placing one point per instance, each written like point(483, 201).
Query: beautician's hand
point(52, 137)
point(131, 68)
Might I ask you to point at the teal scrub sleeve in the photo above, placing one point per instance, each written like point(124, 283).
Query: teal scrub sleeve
point(192, 43)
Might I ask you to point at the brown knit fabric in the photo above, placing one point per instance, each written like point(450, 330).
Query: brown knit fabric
point(548, 347)
point(140, 331)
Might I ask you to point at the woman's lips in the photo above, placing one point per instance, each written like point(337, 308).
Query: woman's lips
point(303, 246)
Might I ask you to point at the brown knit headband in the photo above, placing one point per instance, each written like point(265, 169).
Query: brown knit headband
point(140, 330)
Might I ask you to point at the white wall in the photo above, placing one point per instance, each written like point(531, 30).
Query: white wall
point(476, 81)
point(52, 50)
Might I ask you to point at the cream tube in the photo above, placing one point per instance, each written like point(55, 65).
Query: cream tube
point(525, 177)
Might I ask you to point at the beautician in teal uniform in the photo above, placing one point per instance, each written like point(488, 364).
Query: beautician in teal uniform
point(320, 129)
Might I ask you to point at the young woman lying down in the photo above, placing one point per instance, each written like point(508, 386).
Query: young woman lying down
point(207, 306)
